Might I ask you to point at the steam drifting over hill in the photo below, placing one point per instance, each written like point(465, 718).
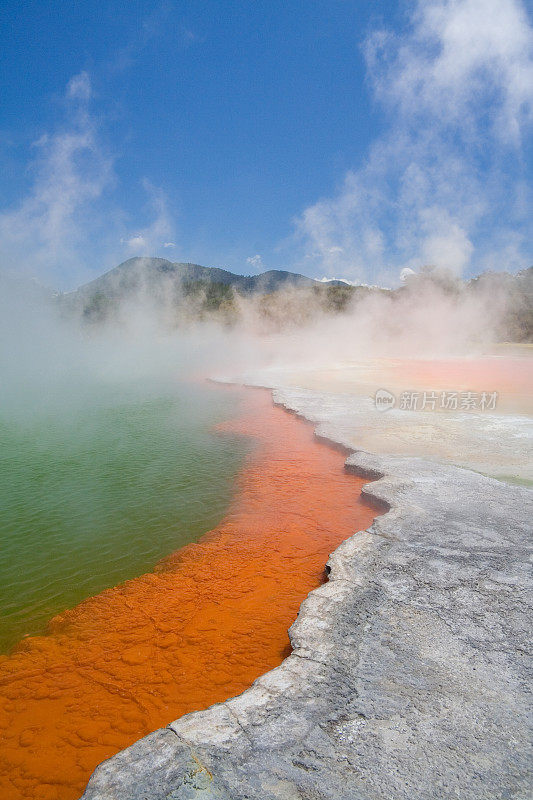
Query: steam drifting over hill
point(498, 304)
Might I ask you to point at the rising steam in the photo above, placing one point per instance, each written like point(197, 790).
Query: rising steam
point(444, 184)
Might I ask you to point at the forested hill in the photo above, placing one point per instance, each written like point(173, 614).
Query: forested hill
point(183, 292)
point(136, 272)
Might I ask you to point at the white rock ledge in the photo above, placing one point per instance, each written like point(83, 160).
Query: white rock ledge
point(409, 672)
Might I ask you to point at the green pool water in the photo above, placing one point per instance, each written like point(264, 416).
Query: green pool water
point(96, 492)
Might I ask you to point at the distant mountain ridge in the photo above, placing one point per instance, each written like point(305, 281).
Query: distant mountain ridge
point(183, 292)
point(128, 276)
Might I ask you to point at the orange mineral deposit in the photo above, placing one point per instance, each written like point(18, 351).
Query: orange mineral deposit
point(201, 628)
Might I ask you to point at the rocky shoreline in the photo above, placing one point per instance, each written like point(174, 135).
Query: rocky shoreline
point(409, 671)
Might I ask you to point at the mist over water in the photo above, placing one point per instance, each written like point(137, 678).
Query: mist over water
point(91, 497)
point(108, 460)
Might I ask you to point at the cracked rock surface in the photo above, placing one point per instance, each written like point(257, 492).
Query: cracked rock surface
point(409, 672)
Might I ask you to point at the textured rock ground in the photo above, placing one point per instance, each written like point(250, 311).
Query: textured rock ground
point(409, 672)
point(495, 444)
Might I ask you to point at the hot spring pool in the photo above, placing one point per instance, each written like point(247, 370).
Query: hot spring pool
point(96, 492)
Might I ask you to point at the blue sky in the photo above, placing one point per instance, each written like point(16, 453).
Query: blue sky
point(333, 138)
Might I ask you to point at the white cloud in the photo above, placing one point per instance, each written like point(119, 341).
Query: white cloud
point(49, 228)
point(148, 241)
point(325, 279)
point(136, 243)
point(66, 226)
point(255, 261)
point(79, 87)
point(460, 55)
point(445, 183)
point(406, 273)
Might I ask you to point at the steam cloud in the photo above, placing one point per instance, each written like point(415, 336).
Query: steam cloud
point(68, 222)
point(444, 185)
